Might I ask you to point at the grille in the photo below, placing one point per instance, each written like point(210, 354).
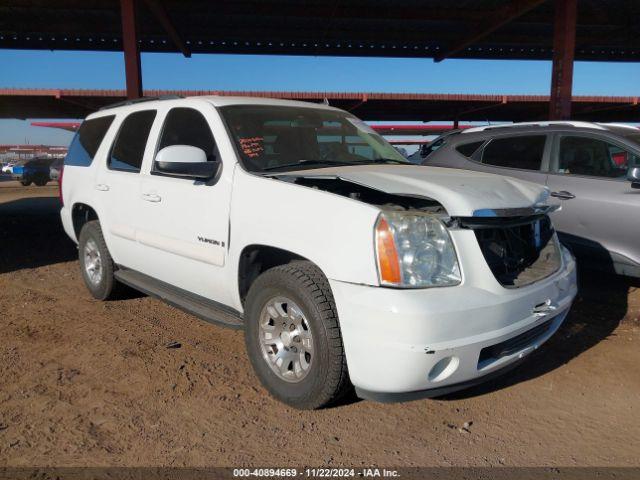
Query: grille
point(518, 251)
point(513, 345)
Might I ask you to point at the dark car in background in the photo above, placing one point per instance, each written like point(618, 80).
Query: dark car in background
point(33, 171)
point(592, 170)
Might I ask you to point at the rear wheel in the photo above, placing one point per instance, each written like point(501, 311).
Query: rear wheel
point(293, 336)
point(96, 263)
point(25, 183)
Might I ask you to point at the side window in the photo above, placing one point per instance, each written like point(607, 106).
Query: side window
point(593, 157)
point(523, 152)
point(87, 140)
point(128, 149)
point(186, 126)
point(468, 149)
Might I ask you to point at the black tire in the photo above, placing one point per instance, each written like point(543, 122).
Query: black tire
point(25, 183)
point(107, 288)
point(41, 182)
point(327, 380)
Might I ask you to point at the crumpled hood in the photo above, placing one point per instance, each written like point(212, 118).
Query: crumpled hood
point(461, 192)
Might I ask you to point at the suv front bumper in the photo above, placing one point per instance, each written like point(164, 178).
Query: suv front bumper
point(404, 344)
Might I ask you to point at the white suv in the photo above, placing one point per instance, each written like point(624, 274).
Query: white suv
point(345, 264)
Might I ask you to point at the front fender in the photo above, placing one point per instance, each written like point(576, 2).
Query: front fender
point(334, 232)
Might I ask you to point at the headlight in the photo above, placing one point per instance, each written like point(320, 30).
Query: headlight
point(415, 250)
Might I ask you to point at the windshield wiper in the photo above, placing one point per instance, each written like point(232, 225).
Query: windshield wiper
point(303, 163)
point(389, 160)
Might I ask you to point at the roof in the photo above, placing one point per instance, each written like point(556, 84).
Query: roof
point(227, 100)
point(521, 29)
point(215, 100)
point(555, 124)
point(489, 131)
point(69, 103)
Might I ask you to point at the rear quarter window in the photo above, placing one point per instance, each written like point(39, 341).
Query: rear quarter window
point(87, 140)
point(523, 151)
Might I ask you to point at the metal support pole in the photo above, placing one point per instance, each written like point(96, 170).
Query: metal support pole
point(131, 50)
point(564, 44)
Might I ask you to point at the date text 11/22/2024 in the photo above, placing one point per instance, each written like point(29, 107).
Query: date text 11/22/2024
point(369, 472)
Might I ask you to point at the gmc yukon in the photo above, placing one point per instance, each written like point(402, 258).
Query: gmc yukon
point(345, 265)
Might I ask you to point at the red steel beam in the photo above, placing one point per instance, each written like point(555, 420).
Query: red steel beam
point(564, 46)
point(163, 18)
point(69, 126)
point(132, 68)
point(500, 18)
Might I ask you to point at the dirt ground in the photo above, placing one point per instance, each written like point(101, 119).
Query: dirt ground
point(90, 383)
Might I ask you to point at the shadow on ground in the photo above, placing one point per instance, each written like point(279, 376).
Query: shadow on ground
point(31, 234)
point(601, 304)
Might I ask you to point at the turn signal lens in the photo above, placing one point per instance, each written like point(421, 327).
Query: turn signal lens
point(388, 264)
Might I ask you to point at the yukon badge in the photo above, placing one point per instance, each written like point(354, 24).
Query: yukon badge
point(210, 241)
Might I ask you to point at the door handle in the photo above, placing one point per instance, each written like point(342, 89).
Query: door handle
point(151, 197)
point(563, 194)
point(102, 187)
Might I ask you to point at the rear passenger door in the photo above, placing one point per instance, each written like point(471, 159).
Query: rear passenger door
point(117, 187)
point(183, 228)
point(522, 156)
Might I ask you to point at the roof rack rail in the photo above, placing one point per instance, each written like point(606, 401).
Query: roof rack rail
point(140, 100)
point(542, 123)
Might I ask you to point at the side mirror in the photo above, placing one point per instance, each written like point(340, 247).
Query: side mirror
point(633, 175)
point(185, 161)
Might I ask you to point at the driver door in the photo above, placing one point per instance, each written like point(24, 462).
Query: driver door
point(184, 227)
point(599, 207)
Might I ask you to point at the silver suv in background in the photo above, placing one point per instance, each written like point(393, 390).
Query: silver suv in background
point(592, 170)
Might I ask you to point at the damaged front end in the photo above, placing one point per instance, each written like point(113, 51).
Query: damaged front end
point(520, 246)
point(364, 193)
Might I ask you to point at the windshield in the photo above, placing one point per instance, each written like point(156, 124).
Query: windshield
point(634, 137)
point(276, 139)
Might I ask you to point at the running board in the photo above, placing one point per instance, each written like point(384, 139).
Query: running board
point(203, 308)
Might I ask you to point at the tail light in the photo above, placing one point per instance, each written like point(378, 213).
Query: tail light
point(60, 185)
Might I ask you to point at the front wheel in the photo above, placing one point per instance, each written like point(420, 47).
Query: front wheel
point(293, 337)
point(25, 183)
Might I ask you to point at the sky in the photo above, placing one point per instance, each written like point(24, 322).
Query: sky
point(105, 70)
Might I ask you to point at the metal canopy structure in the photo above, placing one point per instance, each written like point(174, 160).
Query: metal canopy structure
point(495, 29)
point(557, 30)
point(39, 103)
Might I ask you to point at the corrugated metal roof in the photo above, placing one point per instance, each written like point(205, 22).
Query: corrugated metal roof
point(413, 28)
